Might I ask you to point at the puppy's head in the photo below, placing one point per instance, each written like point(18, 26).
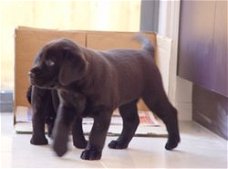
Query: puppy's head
point(59, 63)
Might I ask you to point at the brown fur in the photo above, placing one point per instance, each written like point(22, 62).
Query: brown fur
point(94, 83)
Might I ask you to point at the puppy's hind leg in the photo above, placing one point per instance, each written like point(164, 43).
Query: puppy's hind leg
point(130, 117)
point(161, 106)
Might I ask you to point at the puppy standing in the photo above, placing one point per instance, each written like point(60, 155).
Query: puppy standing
point(44, 104)
point(94, 83)
point(50, 108)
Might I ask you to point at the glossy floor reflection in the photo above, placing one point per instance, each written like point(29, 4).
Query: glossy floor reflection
point(199, 148)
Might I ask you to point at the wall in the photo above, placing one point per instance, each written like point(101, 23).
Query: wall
point(115, 15)
point(180, 90)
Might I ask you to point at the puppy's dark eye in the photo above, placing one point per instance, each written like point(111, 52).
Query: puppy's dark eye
point(49, 62)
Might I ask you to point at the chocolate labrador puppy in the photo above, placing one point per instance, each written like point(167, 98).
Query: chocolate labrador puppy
point(50, 102)
point(94, 83)
point(45, 103)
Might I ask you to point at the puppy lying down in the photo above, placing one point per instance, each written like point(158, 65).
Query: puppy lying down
point(94, 83)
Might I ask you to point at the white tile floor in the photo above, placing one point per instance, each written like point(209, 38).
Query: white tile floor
point(199, 148)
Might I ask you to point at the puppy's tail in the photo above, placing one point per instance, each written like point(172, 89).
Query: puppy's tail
point(146, 43)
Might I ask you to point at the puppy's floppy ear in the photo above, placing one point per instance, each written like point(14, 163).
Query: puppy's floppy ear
point(73, 68)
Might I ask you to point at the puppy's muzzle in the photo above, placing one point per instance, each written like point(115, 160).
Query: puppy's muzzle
point(31, 75)
point(35, 75)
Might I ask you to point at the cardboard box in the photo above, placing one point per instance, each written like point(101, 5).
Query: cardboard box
point(30, 40)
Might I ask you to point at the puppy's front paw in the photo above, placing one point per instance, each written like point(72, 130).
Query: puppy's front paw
point(38, 140)
point(60, 148)
point(91, 155)
point(114, 144)
point(172, 142)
